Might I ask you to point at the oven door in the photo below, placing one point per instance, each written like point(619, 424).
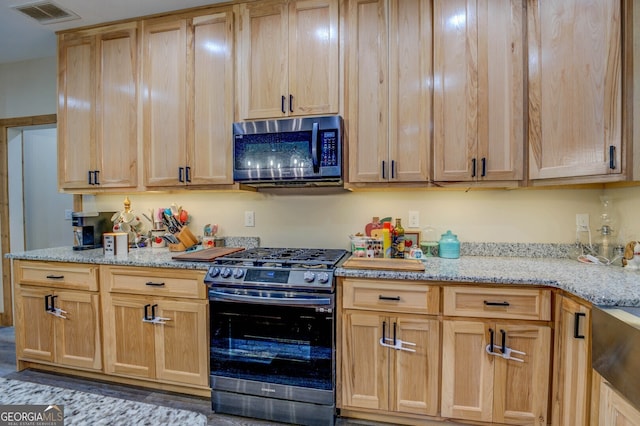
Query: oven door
point(278, 338)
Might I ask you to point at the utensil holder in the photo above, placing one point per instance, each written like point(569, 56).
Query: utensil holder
point(176, 247)
point(186, 237)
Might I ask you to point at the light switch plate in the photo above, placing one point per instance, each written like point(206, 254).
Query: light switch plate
point(414, 219)
point(249, 218)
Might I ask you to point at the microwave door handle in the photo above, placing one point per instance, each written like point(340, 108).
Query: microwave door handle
point(315, 154)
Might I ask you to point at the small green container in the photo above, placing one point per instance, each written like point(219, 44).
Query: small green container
point(449, 246)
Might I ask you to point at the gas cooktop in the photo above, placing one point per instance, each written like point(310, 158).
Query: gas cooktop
point(284, 257)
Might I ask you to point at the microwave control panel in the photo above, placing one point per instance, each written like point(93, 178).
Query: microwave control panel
point(329, 148)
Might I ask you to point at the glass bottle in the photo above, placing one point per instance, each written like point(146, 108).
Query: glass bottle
point(398, 240)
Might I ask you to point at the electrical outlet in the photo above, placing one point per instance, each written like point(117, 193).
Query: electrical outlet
point(414, 219)
point(249, 218)
point(582, 221)
point(68, 214)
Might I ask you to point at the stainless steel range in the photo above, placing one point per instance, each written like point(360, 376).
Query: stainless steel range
point(272, 326)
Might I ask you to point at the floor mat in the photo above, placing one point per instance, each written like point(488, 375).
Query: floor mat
point(82, 408)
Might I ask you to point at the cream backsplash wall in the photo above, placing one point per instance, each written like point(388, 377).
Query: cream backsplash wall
point(528, 216)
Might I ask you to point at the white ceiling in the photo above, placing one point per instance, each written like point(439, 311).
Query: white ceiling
point(23, 38)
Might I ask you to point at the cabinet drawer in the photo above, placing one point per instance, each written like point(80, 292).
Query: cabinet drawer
point(154, 281)
point(528, 304)
point(79, 276)
point(390, 296)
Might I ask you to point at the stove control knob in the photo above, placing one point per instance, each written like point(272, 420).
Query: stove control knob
point(323, 277)
point(309, 277)
point(226, 272)
point(214, 272)
point(238, 273)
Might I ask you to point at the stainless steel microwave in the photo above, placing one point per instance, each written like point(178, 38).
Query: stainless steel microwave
point(288, 152)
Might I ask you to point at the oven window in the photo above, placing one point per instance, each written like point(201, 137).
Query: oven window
point(284, 345)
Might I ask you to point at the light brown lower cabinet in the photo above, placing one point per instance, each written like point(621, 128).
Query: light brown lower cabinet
point(155, 325)
point(614, 409)
point(572, 363)
point(479, 386)
point(57, 314)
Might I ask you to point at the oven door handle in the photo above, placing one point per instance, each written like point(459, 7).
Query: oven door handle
point(231, 297)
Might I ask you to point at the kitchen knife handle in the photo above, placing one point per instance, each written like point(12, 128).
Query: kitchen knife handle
point(484, 166)
point(187, 172)
point(180, 174)
point(473, 167)
point(488, 303)
point(152, 284)
point(282, 99)
point(612, 157)
point(576, 325)
point(290, 103)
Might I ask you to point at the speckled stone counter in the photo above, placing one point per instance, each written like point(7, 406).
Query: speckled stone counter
point(598, 284)
point(151, 257)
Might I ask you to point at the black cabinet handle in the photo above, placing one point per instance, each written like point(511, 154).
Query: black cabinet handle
point(396, 298)
point(576, 325)
point(96, 173)
point(473, 167)
point(146, 312)
point(180, 174)
point(47, 306)
point(290, 103)
point(282, 100)
point(612, 157)
point(53, 303)
point(488, 303)
point(89, 180)
point(484, 167)
point(491, 338)
point(153, 311)
point(504, 340)
point(384, 175)
point(188, 173)
point(394, 333)
point(55, 277)
point(393, 169)
point(384, 331)
point(152, 284)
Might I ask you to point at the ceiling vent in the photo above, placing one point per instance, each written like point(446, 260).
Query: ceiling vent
point(46, 12)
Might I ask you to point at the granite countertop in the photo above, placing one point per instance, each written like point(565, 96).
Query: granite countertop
point(598, 284)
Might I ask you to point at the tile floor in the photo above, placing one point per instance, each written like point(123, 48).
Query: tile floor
point(201, 405)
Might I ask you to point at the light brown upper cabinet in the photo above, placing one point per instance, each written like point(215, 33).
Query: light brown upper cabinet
point(575, 91)
point(388, 90)
point(97, 101)
point(478, 122)
point(288, 61)
point(187, 96)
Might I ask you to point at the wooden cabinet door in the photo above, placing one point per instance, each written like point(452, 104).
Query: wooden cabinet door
point(467, 371)
point(76, 110)
point(262, 60)
point(164, 101)
point(521, 389)
point(572, 365)
point(575, 91)
point(410, 79)
point(365, 363)
point(367, 91)
point(128, 341)
point(182, 345)
point(117, 107)
point(414, 375)
point(478, 90)
point(615, 410)
point(77, 336)
point(210, 153)
point(34, 326)
point(313, 57)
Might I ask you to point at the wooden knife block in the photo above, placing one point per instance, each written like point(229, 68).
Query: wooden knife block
point(186, 238)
